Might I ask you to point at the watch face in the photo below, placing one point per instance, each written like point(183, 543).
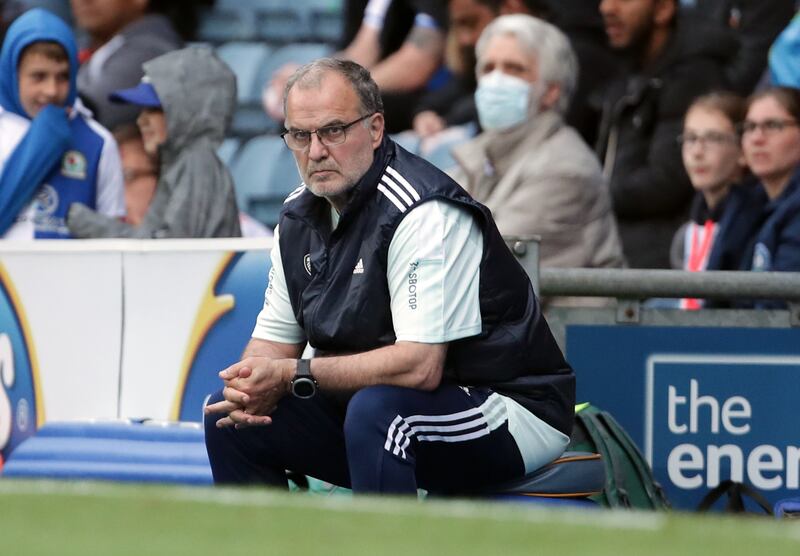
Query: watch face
point(304, 388)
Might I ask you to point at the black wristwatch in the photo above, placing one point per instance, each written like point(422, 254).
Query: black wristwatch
point(303, 384)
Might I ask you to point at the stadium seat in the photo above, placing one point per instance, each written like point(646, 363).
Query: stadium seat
point(264, 173)
point(409, 140)
point(250, 120)
point(282, 24)
point(59, 7)
point(228, 149)
point(438, 149)
point(297, 53)
point(574, 476)
point(326, 26)
point(245, 59)
point(222, 25)
point(116, 450)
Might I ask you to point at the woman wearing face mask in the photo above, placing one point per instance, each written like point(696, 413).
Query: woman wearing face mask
point(534, 172)
point(771, 145)
point(713, 158)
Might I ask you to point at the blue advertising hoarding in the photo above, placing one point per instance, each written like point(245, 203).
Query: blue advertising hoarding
point(703, 404)
point(20, 411)
point(243, 279)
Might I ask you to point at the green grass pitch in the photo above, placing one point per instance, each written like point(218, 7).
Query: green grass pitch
point(82, 519)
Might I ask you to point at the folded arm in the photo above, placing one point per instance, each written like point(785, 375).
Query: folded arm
point(255, 385)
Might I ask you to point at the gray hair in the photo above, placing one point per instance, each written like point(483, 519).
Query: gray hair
point(557, 61)
point(311, 74)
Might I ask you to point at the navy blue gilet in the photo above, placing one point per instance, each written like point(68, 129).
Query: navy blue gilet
point(344, 310)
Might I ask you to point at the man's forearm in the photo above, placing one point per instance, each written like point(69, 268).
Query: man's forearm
point(272, 350)
point(413, 64)
point(254, 385)
point(408, 364)
point(364, 49)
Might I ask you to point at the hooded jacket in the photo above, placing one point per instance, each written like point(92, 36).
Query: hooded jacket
point(642, 117)
point(195, 194)
point(61, 158)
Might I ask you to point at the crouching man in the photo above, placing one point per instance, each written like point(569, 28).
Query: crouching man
point(434, 367)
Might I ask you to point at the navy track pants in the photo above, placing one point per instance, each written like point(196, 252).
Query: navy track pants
point(386, 439)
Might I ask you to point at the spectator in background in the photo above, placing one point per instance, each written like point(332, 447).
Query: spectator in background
point(141, 177)
point(771, 144)
point(534, 172)
point(187, 99)
point(401, 42)
point(669, 64)
point(122, 36)
point(139, 170)
point(454, 103)
point(52, 154)
point(755, 23)
point(580, 20)
point(712, 156)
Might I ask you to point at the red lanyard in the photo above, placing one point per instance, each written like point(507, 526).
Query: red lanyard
point(698, 257)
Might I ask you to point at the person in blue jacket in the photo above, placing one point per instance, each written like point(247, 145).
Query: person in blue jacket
point(52, 153)
point(771, 145)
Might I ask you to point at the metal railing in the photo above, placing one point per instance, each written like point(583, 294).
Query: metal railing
point(640, 284)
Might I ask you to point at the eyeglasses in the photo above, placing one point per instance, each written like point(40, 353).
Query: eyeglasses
point(767, 127)
point(299, 140)
point(712, 138)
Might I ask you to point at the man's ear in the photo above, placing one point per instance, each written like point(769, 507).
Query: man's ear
point(550, 97)
point(376, 129)
point(664, 13)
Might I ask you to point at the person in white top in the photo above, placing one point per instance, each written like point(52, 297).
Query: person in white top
point(433, 367)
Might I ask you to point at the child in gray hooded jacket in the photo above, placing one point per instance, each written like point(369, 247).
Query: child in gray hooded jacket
point(188, 98)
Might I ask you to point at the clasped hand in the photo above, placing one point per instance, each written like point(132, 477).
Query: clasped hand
point(253, 387)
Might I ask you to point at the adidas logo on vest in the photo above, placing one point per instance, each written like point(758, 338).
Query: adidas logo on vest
point(359, 268)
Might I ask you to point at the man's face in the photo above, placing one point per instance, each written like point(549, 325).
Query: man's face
point(331, 171)
point(468, 18)
point(628, 23)
point(42, 81)
point(153, 125)
point(504, 53)
point(105, 18)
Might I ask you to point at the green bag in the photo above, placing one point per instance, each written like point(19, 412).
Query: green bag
point(629, 479)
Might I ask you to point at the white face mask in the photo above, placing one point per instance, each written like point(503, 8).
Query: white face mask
point(503, 100)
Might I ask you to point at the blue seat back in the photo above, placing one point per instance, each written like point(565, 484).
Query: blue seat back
point(264, 173)
point(246, 60)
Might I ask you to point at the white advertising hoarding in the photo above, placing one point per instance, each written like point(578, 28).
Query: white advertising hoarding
point(120, 328)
